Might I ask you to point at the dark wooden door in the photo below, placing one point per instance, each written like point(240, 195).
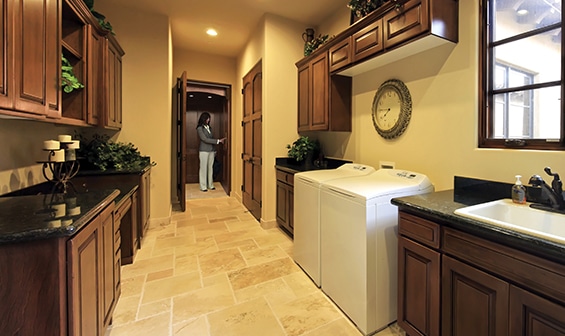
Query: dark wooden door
point(252, 143)
point(418, 288)
point(531, 315)
point(473, 302)
point(181, 144)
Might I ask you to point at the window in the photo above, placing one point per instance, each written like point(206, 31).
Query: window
point(522, 75)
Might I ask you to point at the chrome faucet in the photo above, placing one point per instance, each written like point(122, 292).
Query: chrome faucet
point(554, 193)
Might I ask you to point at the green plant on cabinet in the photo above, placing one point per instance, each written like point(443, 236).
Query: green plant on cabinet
point(102, 153)
point(301, 148)
point(69, 81)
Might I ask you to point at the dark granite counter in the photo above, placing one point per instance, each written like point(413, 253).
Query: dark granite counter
point(291, 166)
point(34, 217)
point(439, 207)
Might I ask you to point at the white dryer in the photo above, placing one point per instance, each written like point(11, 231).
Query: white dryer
point(359, 238)
point(306, 250)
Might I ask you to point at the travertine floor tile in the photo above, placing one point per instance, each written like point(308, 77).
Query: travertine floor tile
point(155, 325)
point(169, 287)
point(339, 327)
point(249, 318)
point(214, 270)
point(202, 301)
point(256, 274)
point(221, 262)
point(306, 313)
point(194, 327)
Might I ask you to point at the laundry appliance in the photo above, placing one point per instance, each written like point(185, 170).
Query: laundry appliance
point(359, 236)
point(307, 213)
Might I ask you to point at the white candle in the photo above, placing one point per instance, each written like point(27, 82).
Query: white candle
point(57, 156)
point(65, 138)
point(51, 144)
point(59, 209)
point(74, 144)
point(73, 211)
point(54, 223)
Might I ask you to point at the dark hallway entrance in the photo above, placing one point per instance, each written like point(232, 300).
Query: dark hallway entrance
point(216, 100)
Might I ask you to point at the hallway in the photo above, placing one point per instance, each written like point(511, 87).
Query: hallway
point(215, 271)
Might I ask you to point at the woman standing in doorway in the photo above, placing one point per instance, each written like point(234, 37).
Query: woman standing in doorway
point(206, 152)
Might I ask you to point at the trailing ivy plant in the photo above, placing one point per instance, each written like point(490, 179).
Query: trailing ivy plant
point(99, 16)
point(363, 7)
point(68, 78)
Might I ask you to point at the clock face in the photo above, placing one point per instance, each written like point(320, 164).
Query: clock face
point(388, 109)
point(392, 108)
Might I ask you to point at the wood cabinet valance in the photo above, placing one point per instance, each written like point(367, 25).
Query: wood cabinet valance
point(396, 24)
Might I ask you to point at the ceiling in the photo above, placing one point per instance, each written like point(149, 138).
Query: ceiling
point(234, 20)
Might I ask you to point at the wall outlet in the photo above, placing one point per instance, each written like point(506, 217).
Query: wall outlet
point(386, 165)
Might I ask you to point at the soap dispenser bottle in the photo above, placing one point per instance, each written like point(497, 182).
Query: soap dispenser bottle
point(518, 191)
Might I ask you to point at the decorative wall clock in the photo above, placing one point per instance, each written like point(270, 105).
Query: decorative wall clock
point(392, 109)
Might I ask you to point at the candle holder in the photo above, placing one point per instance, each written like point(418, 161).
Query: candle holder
point(61, 171)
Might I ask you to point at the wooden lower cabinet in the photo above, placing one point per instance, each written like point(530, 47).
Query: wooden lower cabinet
point(285, 200)
point(532, 315)
point(92, 278)
point(473, 302)
point(61, 286)
point(485, 288)
point(418, 283)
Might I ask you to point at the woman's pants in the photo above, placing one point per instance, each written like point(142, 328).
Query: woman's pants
point(206, 173)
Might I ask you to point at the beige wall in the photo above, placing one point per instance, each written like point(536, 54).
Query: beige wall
point(441, 140)
point(146, 93)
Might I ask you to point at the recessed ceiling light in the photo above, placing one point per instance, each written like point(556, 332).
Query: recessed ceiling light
point(212, 32)
point(209, 97)
point(522, 12)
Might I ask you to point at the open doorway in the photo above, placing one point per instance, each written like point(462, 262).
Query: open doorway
point(215, 99)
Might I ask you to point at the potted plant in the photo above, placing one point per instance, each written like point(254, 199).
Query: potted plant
point(360, 8)
point(101, 154)
point(303, 149)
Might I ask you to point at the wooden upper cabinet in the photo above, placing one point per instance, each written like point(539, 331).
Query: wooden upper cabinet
point(367, 41)
point(29, 82)
point(95, 76)
point(113, 81)
point(324, 101)
point(340, 55)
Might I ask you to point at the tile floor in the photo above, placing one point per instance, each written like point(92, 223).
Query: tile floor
point(214, 271)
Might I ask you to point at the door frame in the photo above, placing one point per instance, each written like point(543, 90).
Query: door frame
point(225, 90)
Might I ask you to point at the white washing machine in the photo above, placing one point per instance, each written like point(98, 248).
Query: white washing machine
point(307, 213)
point(359, 238)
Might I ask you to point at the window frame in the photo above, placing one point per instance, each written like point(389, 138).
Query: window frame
point(486, 96)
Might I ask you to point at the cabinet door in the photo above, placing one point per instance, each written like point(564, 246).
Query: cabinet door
point(290, 202)
point(418, 288)
point(113, 69)
point(37, 56)
point(95, 77)
point(531, 315)
point(319, 94)
point(304, 92)
point(145, 202)
point(411, 19)
point(108, 255)
point(282, 205)
point(6, 58)
point(84, 253)
point(473, 302)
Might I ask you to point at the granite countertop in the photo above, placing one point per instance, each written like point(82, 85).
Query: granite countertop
point(439, 207)
point(91, 172)
point(34, 217)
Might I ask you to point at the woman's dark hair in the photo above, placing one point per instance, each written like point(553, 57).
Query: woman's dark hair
point(202, 119)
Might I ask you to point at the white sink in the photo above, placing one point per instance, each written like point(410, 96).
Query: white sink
point(518, 217)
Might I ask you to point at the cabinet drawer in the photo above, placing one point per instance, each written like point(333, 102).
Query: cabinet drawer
point(419, 229)
point(410, 20)
point(368, 41)
point(285, 177)
point(540, 275)
point(340, 55)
